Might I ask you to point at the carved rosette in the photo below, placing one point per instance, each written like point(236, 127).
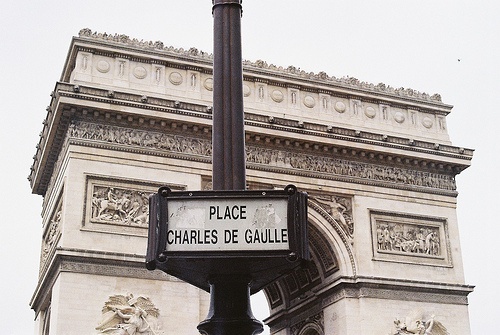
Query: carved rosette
point(175, 78)
point(340, 107)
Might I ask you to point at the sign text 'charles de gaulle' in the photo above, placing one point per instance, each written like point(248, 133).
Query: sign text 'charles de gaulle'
point(227, 224)
point(199, 234)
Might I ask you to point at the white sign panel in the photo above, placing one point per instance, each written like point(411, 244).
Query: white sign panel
point(227, 224)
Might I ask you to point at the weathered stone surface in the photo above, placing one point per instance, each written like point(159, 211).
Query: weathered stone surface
point(129, 116)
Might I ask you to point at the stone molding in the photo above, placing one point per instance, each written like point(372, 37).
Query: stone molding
point(265, 158)
point(396, 289)
point(260, 65)
point(263, 121)
point(323, 251)
point(61, 115)
point(91, 262)
point(359, 287)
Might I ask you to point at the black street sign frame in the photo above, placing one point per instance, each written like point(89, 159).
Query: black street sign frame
point(197, 267)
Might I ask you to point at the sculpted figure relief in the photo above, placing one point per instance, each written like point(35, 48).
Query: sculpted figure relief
point(49, 240)
point(126, 315)
point(340, 210)
point(418, 323)
point(110, 204)
point(271, 157)
point(407, 238)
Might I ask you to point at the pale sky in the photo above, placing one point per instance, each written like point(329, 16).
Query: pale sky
point(450, 47)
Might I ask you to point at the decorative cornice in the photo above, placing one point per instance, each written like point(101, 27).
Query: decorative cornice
point(95, 263)
point(260, 65)
point(396, 289)
point(360, 287)
point(57, 123)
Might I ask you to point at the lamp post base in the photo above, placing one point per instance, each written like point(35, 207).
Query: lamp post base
point(230, 310)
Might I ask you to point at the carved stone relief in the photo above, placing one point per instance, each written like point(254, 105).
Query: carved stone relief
point(175, 78)
point(399, 117)
point(51, 235)
point(370, 112)
point(140, 72)
point(403, 237)
point(103, 66)
point(427, 122)
point(340, 107)
point(246, 90)
point(418, 322)
point(263, 156)
point(209, 84)
point(407, 238)
point(291, 70)
point(309, 101)
point(129, 315)
point(118, 206)
point(339, 209)
point(277, 96)
point(313, 325)
point(323, 251)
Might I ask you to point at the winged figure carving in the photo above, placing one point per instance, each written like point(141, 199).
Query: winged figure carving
point(418, 323)
point(129, 315)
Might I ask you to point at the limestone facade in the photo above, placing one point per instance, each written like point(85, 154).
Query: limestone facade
point(128, 116)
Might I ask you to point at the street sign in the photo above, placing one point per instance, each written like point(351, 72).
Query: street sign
point(191, 232)
point(227, 224)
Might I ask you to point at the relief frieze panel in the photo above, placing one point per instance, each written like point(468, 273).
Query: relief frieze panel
point(325, 166)
point(407, 238)
point(51, 236)
point(147, 139)
point(118, 206)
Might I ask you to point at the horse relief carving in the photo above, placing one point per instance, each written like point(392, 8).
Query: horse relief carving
point(119, 206)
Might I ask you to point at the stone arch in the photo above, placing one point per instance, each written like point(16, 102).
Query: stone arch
point(331, 257)
point(311, 328)
point(338, 240)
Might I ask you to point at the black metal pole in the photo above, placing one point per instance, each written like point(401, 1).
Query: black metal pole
point(230, 311)
point(228, 136)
